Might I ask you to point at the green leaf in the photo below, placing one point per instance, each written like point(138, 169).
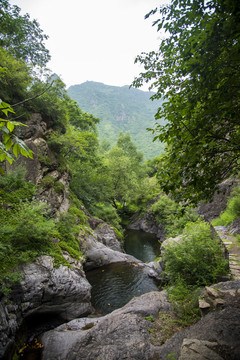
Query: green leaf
point(10, 126)
point(16, 150)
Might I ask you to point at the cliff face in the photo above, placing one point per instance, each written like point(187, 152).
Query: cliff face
point(46, 291)
point(43, 170)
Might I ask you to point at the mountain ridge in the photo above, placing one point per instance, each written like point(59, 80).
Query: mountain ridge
point(120, 108)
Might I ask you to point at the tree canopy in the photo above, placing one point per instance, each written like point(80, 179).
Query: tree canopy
point(21, 36)
point(197, 72)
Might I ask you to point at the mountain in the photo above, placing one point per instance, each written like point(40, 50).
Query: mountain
point(120, 109)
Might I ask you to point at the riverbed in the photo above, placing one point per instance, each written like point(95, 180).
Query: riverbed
point(115, 284)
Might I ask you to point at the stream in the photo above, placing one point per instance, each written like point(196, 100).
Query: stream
point(116, 284)
point(113, 286)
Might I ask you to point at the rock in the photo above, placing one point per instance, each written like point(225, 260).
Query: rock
point(214, 208)
point(204, 307)
point(193, 349)
point(221, 327)
point(123, 334)
point(147, 223)
point(156, 270)
point(106, 235)
point(44, 289)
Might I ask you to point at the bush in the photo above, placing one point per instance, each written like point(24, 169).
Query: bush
point(172, 215)
point(14, 189)
point(47, 181)
point(197, 258)
point(184, 299)
point(30, 228)
point(107, 213)
point(59, 187)
point(232, 211)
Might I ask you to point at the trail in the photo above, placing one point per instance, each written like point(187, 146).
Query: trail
point(233, 248)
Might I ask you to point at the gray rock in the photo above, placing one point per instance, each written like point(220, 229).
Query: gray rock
point(98, 254)
point(123, 334)
point(214, 208)
point(147, 223)
point(221, 327)
point(193, 349)
point(43, 290)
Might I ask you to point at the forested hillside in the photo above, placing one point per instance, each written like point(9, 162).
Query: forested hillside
point(120, 109)
point(66, 197)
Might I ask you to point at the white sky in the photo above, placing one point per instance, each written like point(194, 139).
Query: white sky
point(95, 40)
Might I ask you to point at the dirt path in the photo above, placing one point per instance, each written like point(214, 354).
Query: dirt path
point(233, 248)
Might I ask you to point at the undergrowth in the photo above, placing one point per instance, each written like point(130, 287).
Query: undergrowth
point(29, 230)
point(232, 211)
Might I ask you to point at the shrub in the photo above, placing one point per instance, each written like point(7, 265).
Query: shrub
point(45, 160)
point(184, 299)
point(47, 181)
point(107, 213)
point(197, 259)
point(172, 215)
point(59, 187)
point(31, 228)
point(232, 211)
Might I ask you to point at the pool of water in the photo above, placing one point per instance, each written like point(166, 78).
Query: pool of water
point(141, 245)
point(115, 284)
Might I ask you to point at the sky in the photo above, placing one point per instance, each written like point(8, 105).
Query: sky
point(95, 40)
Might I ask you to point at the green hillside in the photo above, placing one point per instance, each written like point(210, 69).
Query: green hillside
point(120, 109)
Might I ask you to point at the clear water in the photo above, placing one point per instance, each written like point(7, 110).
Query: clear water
point(141, 245)
point(116, 284)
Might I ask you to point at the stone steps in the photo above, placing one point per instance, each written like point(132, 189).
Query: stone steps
point(231, 245)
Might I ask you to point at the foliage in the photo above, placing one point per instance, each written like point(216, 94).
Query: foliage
point(14, 190)
point(232, 211)
point(59, 187)
point(68, 228)
point(197, 72)
point(120, 109)
point(47, 181)
point(172, 216)
point(9, 140)
point(21, 36)
point(15, 78)
point(184, 299)
point(196, 258)
point(107, 213)
point(30, 229)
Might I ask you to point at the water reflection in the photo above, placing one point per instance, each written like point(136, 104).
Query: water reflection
point(141, 245)
point(115, 284)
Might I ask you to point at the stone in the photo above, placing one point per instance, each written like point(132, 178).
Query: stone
point(122, 334)
point(194, 349)
point(43, 290)
point(211, 292)
point(147, 222)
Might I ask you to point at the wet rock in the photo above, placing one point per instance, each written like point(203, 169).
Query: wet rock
point(43, 290)
point(123, 334)
point(147, 223)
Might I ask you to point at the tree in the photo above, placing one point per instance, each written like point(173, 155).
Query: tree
point(197, 72)
point(21, 36)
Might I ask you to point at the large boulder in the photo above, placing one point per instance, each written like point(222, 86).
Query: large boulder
point(147, 222)
point(44, 290)
point(123, 334)
point(213, 209)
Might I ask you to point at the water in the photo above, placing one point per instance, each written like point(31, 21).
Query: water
point(141, 245)
point(116, 284)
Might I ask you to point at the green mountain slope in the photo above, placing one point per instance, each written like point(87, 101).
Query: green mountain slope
point(120, 109)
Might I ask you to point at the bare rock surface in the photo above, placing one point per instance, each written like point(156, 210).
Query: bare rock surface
point(122, 334)
point(43, 289)
point(147, 223)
